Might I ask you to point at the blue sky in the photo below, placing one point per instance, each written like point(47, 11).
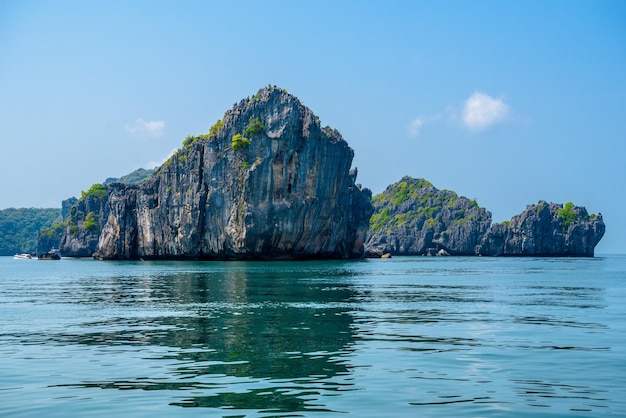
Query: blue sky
point(508, 102)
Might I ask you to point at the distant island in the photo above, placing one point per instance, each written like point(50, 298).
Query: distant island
point(268, 181)
point(412, 217)
point(19, 228)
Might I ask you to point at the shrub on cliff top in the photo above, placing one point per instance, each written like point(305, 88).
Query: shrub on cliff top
point(98, 191)
point(215, 129)
point(190, 140)
point(567, 214)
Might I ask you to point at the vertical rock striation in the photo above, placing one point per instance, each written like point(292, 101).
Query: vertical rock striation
point(267, 182)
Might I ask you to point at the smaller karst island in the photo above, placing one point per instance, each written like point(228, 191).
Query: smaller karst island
point(270, 182)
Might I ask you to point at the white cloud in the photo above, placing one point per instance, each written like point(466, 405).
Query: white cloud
point(418, 123)
point(142, 128)
point(153, 164)
point(481, 111)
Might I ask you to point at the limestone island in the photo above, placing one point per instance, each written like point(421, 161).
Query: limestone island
point(412, 217)
point(269, 182)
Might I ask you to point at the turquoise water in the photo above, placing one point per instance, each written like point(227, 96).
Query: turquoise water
point(440, 337)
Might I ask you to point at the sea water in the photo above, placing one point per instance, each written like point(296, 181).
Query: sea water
point(400, 337)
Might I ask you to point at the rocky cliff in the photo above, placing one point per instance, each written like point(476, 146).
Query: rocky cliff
point(545, 229)
point(82, 220)
point(412, 217)
point(267, 182)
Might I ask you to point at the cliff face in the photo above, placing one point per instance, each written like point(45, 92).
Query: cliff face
point(412, 217)
point(267, 182)
point(545, 229)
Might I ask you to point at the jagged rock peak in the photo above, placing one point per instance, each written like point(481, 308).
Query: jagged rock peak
point(413, 217)
point(266, 182)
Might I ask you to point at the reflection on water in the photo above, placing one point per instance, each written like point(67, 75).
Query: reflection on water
point(225, 329)
point(455, 337)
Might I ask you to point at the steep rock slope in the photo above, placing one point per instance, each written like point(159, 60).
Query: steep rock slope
point(412, 217)
point(266, 182)
point(545, 229)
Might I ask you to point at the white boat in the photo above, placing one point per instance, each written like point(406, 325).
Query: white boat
point(22, 256)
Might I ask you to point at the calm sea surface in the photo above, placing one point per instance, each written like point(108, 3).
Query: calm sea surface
point(404, 337)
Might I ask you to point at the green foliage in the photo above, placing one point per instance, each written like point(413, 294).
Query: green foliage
point(567, 215)
point(53, 230)
point(97, 191)
point(417, 202)
point(400, 192)
point(246, 165)
point(138, 176)
point(190, 140)
point(592, 216)
point(254, 127)
point(91, 222)
point(238, 141)
point(380, 219)
point(19, 228)
point(216, 128)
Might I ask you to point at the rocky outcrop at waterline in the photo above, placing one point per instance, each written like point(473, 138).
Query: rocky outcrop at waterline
point(545, 229)
point(412, 217)
point(267, 182)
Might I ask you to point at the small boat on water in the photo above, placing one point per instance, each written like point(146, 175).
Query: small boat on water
point(22, 256)
point(53, 254)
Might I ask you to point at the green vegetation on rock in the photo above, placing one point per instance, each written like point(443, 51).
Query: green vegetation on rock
point(254, 127)
point(567, 215)
point(239, 141)
point(411, 201)
point(190, 140)
point(138, 176)
point(216, 128)
point(91, 222)
point(97, 191)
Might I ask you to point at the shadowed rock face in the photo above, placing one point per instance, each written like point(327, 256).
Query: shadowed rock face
point(412, 217)
point(282, 189)
point(545, 229)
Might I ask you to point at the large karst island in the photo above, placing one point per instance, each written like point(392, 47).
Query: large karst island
point(269, 182)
